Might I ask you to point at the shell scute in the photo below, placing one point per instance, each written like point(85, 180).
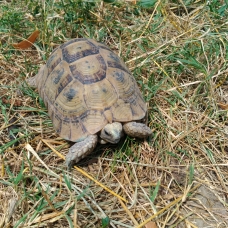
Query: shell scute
point(93, 120)
point(78, 49)
point(54, 60)
point(100, 95)
point(89, 70)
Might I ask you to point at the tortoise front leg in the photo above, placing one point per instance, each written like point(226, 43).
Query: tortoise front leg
point(138, 130)
point(81, 149)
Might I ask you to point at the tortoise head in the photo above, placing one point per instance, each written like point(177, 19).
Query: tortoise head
point(112, 132)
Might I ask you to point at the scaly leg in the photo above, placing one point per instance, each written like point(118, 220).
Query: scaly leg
point(81, 149)
point(138, 130)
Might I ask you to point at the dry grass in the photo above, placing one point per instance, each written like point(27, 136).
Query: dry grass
point(178, 178)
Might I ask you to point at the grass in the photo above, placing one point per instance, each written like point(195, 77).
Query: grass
point(178, 52)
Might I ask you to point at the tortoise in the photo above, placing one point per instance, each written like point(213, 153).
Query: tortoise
point(91, 96)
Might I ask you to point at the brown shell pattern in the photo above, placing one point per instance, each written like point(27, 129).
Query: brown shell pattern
point(81, 83)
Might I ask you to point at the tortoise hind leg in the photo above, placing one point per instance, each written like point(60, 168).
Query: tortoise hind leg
point(81, 149)
point(138, 130)
point(32, 81)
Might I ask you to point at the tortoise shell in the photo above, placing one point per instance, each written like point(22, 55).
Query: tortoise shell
point(85, 85)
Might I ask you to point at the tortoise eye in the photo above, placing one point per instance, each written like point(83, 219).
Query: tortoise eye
point(107, 133)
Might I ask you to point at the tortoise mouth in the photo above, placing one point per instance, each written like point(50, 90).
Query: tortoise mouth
point(113, 141)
